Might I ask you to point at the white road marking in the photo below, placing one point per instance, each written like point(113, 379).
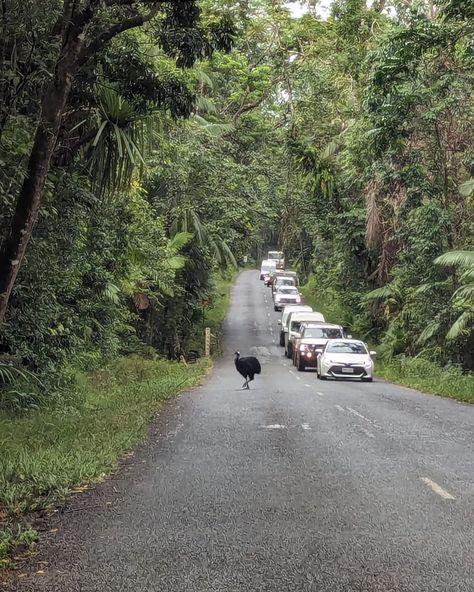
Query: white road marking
point(297, 378)
point(339, 408)
point(354, 412)
point(305, 426)
point(274, 426)
point(308, 385)
point(437, 489)
point(320, 393)
point(290, 371)
point(366, 432)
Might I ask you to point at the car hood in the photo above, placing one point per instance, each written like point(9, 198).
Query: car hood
point(354, 359)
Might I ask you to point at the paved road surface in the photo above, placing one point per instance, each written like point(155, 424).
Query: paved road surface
point(295, 485)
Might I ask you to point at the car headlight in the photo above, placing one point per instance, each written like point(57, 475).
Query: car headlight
point(302, 347)
point(368, 364)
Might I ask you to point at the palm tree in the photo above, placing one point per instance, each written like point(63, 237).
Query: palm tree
point(463, 297)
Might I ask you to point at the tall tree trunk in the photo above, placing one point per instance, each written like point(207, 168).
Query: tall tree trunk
point(53, 102)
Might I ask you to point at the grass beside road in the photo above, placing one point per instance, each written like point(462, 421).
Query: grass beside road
point(51, 452)
point(417, 373)
point(428, 377)
point(48, 453)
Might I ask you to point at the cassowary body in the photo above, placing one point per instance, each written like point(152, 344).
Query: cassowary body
point(248, 367)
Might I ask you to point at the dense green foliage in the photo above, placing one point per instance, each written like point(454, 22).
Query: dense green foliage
point(211, 130)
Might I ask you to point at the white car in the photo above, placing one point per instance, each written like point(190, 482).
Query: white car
point(266, 267)
point(288, 309)
point(286, 295)
point(346, 358)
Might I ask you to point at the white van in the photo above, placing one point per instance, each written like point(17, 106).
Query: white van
point(278, 257)
point(289, 308)
point(267, 265)
point(293, 324)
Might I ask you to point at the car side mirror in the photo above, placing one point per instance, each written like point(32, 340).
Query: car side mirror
point(279, 322)
point(373, 353)
point(349, 337)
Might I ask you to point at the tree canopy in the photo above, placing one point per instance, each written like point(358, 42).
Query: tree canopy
point(145, 145)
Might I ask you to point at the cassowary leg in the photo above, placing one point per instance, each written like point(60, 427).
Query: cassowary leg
point(245, 384)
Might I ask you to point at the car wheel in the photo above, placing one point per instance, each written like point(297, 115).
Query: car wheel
point(300, 365)
point(282, 339)
point(287, 354)
point(367, 379)
point(321, 377)
point(275, 308)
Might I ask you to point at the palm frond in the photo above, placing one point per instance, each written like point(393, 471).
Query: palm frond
point(431, 329)
point(380, 294)
point(456, 259)
point(180, 240)
point(111, 292)
point(467, 188)
point(466, 291)
point(461, 326)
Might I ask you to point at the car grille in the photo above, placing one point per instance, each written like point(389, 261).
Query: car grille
point(286, 300)
point(356, 370)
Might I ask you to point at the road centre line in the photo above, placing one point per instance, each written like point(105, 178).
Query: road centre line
point(339, 408)
point(353, 411)
point(320, 394)
point(437, 488)
point(366, 432)
point(297, 378)
point(308, 385)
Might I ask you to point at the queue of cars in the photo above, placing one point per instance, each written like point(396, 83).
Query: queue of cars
point(309, 340)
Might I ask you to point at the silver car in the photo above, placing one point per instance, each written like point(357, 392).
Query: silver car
point(346, 358)
point(286, 295)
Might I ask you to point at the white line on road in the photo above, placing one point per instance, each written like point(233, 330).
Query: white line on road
point(437, 488)
point(290, 371)
point(339, 408)
point(320, 394)
point(308, 385)
point(305, 426)
point(297, 378)
point(353, 411)
point(274, 426)
point(366, 432)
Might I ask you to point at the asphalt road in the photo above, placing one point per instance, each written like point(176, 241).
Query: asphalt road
point(294, 485)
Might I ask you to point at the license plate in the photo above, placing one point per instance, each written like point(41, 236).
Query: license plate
point(348, 370)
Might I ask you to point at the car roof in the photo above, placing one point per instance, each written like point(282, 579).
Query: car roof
point(290, 308)
point(300, 315)
point(338, 340)
point(319, 324)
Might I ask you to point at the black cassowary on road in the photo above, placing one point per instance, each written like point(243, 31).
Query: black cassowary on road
point(248, 367)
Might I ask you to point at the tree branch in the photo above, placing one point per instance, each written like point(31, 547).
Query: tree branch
point(99, 42)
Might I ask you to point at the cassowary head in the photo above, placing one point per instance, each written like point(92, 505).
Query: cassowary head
point(237, 354)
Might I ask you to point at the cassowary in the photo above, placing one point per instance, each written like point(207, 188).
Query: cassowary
point(248, 367)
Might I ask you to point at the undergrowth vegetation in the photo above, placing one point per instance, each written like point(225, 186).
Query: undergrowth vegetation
point(47, 452)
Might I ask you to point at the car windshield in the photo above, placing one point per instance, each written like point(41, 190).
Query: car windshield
point(346, 348)
point(287, 291)
point(286, 282)
point(324, 332)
